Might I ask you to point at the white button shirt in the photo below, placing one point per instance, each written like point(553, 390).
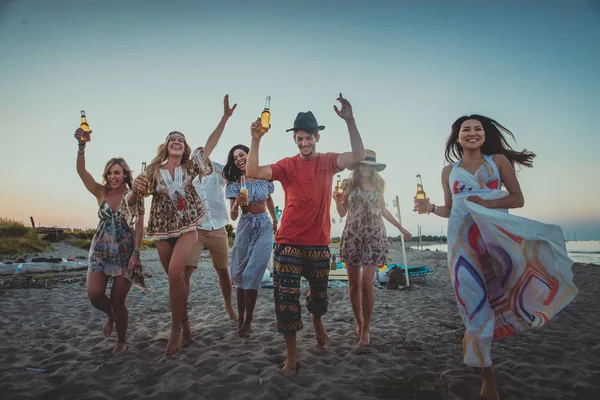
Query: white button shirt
point(211, 190)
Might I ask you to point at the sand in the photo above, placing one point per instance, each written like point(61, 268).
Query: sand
point(415, 352)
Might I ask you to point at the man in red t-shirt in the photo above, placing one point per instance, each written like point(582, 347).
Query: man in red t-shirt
point(302, 241)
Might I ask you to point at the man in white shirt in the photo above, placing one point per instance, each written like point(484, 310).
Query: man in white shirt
point(212, 235)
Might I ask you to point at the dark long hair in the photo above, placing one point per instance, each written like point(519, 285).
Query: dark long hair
point(495, 142)
point(231, 172)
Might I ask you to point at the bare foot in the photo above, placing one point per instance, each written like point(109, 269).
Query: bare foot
point(230, 312)
point(291, 365)
point(119, 348)
point(245, 329)
point(489, 388)
point(320, 333)
point(186, 339)
point(489, 392)
point(174, 342)
point(359, 326)
point(365, 338)
point(108, 327)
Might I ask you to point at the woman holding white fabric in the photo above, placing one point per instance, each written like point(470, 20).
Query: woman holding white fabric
point(509, 273)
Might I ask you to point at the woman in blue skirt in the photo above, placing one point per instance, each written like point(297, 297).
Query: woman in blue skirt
point(254, 234)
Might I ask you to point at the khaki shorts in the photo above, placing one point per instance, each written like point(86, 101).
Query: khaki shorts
point(217, 244)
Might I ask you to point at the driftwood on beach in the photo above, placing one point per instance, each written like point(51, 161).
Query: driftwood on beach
point(41, 267)
point(53, 234)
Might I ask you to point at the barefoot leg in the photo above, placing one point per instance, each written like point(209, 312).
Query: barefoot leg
point(218, 245)
point(291, 362)
point(241, 303)
point(355, 294)
point(286, 293)
point(118, 296)
point(489, 387)
point(320, 332)
point(185, 322)
point(317, 300)
point(96, 290)
point(177, 287)
point(225, 285)
point(251, 296)
point(368, 302)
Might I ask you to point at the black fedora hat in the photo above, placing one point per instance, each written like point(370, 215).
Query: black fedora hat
point(306, 121)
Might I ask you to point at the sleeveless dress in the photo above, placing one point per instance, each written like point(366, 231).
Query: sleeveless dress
point(113, 242)
point(364, 239)
point(509, 273)
point(251, 252)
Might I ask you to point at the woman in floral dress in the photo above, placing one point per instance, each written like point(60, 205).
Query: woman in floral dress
point(175, 214)
point(364, 240)
point(115, 247)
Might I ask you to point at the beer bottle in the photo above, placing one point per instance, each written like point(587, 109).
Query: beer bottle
point(421, 196)
point(243, 188)
point(86, 137)
point(265, 117)
point(146, 191)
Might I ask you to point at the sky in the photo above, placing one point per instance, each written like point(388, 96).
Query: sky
point(141, 69)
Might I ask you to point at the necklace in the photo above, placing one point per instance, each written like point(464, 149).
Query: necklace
point(175, 187)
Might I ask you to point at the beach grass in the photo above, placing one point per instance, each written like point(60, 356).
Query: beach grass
point(16, 238)
point(79, 234)
point(81, 243)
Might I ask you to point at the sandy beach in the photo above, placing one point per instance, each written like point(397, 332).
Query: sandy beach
point(415, 353)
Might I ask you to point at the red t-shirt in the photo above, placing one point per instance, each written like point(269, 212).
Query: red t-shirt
point(307, 185)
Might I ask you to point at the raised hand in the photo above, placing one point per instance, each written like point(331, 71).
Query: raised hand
point(79, 135)
point(228, 111)
point(346, 111)
point(257, 130)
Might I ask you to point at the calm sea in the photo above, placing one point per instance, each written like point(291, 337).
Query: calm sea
point(582, 251)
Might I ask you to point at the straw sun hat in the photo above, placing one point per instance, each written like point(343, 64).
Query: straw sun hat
point(370, 159)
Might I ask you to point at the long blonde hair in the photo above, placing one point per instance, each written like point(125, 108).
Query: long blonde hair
point(353, 182)
point(127, 173)
point(162, 154)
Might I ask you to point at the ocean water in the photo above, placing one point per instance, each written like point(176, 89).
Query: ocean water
point(582, 251)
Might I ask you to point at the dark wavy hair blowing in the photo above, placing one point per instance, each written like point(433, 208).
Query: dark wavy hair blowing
point(495, 142)
point(231, 172)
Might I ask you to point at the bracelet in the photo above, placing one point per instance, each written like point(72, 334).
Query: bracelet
point(136, 252)
point(432, 209)
point(80, 152)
